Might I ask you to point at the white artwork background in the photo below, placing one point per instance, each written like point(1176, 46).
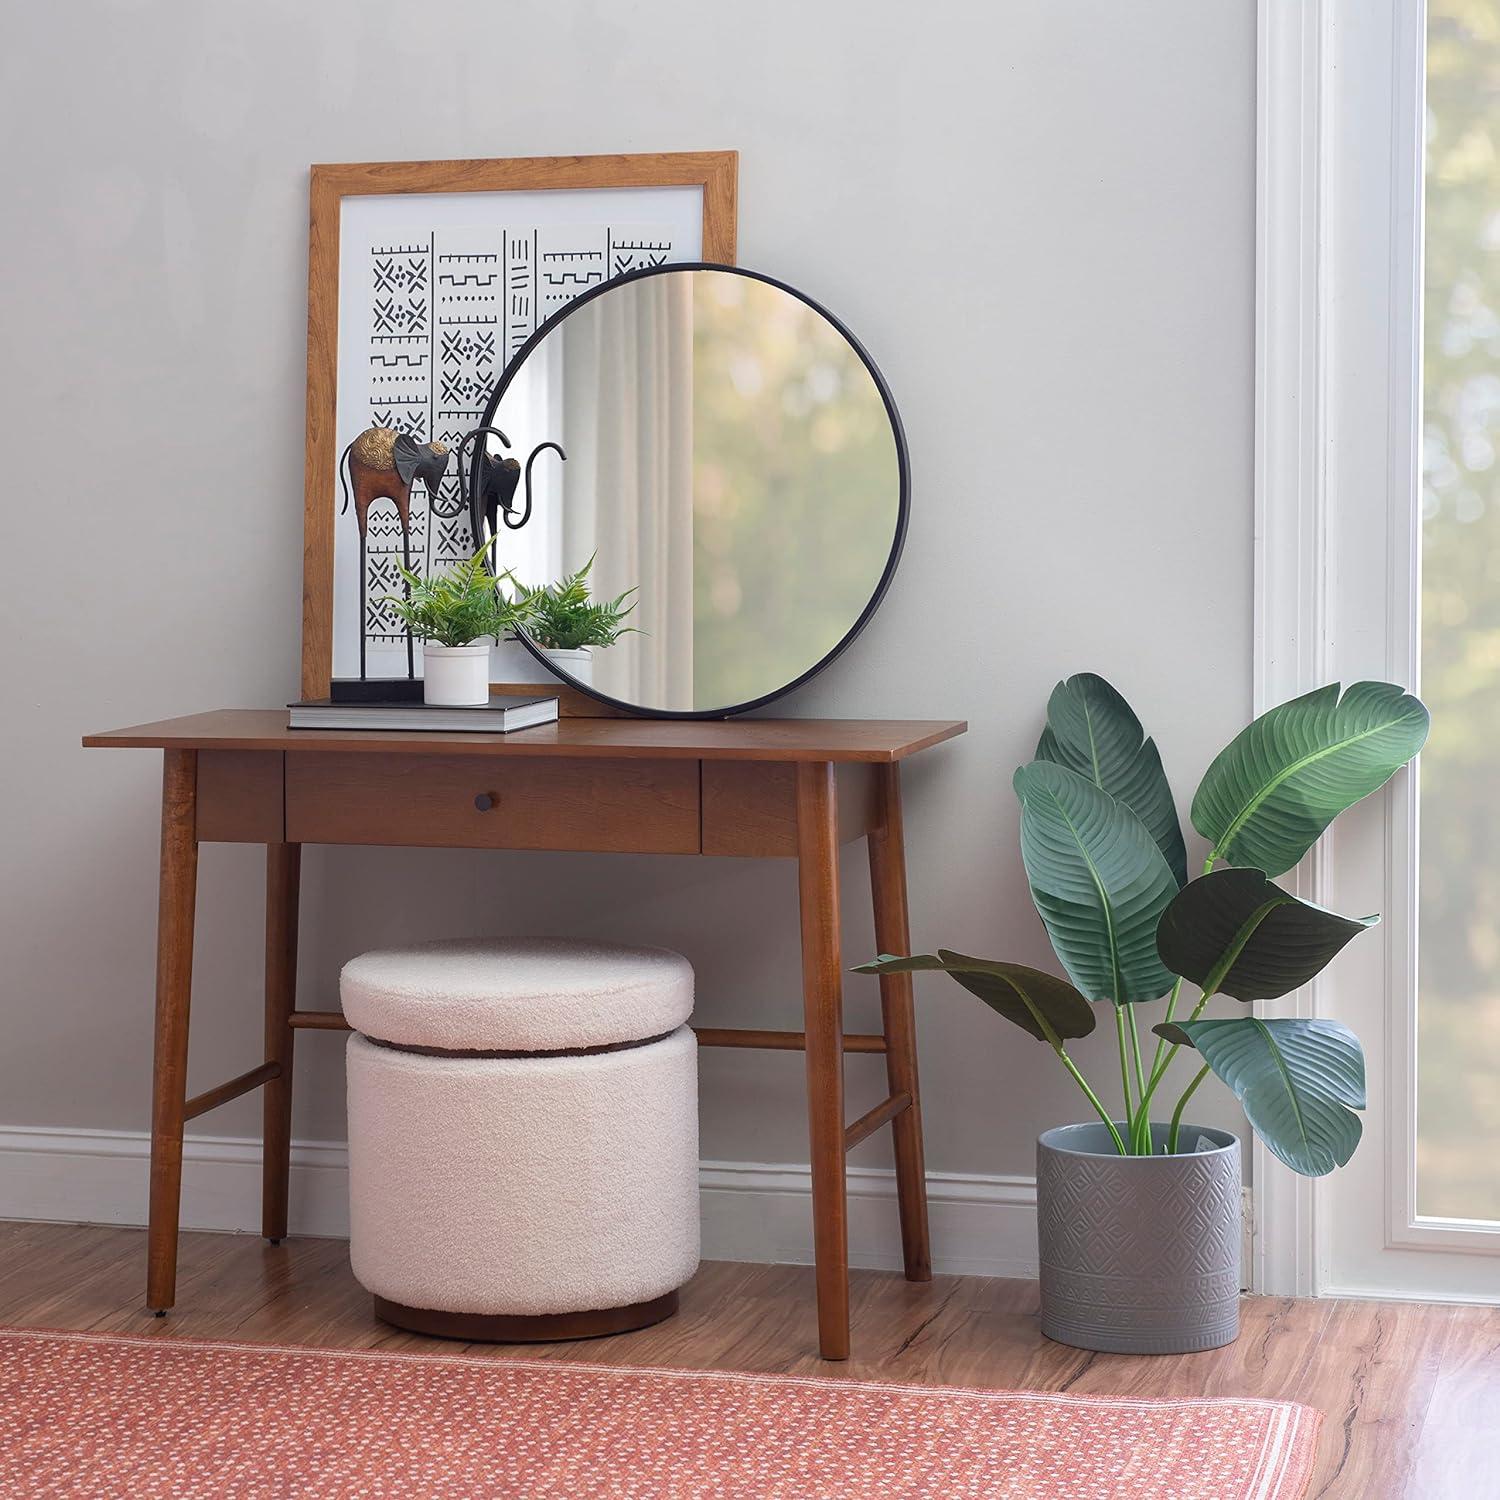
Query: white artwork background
point(437, 292)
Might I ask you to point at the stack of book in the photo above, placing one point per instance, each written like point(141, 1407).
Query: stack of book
point(499, 716)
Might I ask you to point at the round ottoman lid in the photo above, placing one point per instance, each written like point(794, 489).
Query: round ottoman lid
point(516, 994)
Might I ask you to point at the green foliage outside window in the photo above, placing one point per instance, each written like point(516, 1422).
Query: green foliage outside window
point(1458, 1012)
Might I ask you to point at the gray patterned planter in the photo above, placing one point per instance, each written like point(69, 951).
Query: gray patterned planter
point(1139, 1254)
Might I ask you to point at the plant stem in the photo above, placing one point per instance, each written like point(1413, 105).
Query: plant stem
point(1055, 1042)
point(1171, 1015)
point(1129, 1116)
point(1160, 1070)
point(1093, 1098)
point(1187, 1094)
point(1161, 1059)
point(1142, 1148)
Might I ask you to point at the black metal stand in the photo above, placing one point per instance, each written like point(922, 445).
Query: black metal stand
point(362, 567)
point(411, 662)
point(375, 690)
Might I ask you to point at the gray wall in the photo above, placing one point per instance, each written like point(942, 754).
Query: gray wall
point(1038, 217)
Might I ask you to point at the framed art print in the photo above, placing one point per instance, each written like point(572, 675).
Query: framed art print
point(424, 278)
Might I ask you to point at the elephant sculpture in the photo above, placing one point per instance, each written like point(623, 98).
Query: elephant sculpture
point(382, 464)
point(492, 484)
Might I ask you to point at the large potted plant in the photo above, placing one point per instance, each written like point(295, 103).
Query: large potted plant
point(1138, 1212)
point(455, 614)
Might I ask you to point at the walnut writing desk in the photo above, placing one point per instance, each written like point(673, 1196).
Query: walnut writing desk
point(792, 788)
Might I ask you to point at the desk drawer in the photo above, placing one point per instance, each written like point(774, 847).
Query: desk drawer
point(240, 797)
point(486, 802)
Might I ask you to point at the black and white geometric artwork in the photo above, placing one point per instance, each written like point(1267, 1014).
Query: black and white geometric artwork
point(437, 293)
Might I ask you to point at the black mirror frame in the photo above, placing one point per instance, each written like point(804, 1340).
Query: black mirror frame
point(898, 541)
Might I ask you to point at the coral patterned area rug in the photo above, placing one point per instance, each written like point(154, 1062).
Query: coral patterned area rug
point(104, 1415)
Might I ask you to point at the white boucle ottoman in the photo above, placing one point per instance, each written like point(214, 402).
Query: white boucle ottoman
point(523, 1136)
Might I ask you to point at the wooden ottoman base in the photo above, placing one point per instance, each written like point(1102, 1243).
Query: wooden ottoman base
point(538, 1328)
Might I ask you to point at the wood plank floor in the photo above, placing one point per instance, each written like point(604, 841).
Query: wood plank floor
point(1411, 1394)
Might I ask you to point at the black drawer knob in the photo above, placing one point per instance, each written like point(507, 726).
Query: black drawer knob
point(486, 800)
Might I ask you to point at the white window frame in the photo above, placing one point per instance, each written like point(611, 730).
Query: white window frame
point(1337, 581)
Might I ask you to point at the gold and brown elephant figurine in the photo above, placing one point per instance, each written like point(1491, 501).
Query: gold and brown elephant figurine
point(382, 464)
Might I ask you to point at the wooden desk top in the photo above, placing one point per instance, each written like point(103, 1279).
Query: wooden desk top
point(657, 739)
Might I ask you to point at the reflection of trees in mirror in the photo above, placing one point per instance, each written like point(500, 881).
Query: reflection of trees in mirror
point(1103, 852)
point(562, 617)
point(1458, 1008)
point(796, 489)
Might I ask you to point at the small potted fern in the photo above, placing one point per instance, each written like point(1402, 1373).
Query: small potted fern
point(566, 623)
point(455, 614)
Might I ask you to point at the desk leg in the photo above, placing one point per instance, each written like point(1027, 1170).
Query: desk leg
point(283, 888)
point(893, 935)
point(174, 983)
point(823, 1007)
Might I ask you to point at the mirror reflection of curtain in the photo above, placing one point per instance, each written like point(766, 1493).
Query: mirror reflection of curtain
point(627, 391)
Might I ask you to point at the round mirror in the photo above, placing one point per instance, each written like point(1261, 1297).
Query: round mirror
point(713, 458)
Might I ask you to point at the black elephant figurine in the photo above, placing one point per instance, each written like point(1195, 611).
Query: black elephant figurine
point(492, 484)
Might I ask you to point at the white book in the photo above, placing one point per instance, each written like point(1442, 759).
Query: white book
point(499, 716)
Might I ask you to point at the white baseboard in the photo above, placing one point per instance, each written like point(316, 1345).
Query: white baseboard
point(102, 1177)
point(981, 1226)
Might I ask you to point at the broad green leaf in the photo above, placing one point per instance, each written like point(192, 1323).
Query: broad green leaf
point(1098, 880)
point(1025, 996)
point(1298, 1081)
point(1234, 932)
point(1279, 783)
point(1091, 729)
point(1172, 1031)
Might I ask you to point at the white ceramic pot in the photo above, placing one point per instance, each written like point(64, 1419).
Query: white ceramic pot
point(577, 663)
point(511, 661)
point(456, 676)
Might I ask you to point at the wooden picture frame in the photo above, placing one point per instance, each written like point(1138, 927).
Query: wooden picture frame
point(714, 172)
